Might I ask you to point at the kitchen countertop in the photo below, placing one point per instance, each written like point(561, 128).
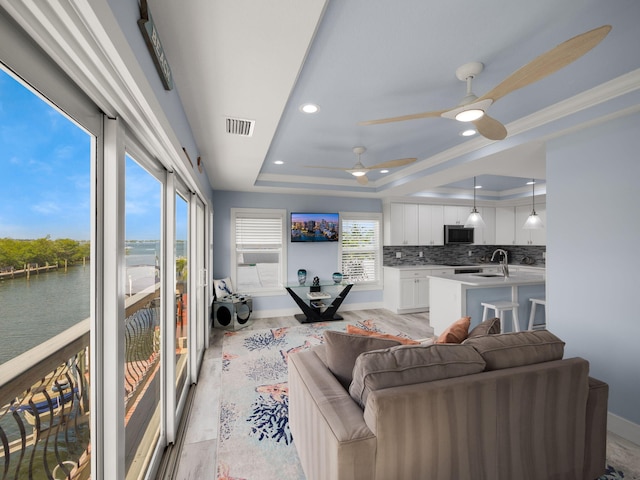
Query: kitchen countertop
point(473, 280)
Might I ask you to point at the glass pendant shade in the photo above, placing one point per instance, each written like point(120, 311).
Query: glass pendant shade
point(475, 219)
point(533, 221)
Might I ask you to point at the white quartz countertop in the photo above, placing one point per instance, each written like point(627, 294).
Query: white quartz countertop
point(477, 280)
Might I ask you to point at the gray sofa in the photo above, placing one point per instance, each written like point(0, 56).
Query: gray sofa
point(498, 407)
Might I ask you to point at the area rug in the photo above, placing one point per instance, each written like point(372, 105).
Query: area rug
point(254, 441)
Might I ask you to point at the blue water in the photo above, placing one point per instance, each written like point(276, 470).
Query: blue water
point(34, 310)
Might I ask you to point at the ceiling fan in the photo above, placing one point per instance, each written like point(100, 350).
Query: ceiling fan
point(360, 171)
point(473, 109)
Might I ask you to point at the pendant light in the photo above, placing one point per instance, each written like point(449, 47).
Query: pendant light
point(475, 219)
point(534, 221)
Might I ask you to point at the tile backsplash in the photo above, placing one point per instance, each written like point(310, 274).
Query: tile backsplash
point(459, 254)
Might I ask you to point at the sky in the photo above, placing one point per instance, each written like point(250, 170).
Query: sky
point(45, 174)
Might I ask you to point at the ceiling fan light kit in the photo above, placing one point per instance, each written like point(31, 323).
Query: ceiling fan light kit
point(469, 115)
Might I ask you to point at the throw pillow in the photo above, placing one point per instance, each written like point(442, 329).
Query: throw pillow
point(222, 287)
point(342, 349)
point(410, 364)
point(488, 327)
point(518, 348)
point(456, 332)
point(361, 331)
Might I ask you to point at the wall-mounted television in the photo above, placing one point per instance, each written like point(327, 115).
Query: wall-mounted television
point(314, 227)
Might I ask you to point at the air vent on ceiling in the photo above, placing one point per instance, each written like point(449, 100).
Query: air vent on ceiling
point(240, 126)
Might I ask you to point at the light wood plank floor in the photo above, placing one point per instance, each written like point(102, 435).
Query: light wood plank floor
point(197, 457)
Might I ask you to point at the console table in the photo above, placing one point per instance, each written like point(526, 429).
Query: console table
point(322, 308)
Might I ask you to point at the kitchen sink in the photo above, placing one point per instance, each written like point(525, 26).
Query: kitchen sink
point(487, 275)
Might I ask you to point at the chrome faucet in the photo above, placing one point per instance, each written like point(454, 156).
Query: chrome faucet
point(504, 262)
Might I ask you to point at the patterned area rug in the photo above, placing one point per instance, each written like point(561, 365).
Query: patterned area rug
point(254, 441)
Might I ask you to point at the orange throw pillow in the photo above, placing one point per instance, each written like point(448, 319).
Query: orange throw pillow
point(456, 332)
point(368, 333)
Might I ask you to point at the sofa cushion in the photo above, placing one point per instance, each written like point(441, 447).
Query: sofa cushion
point(517, 349)
point(456, 332)
point(409, 364)
point(342, 349)
point(490, 326)
point(369, 333)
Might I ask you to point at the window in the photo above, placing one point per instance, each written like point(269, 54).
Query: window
point(259, 250)
point(361, 247)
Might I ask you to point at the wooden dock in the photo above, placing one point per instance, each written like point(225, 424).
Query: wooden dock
point(27, 271)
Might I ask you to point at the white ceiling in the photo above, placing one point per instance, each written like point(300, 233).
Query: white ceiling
point(362, 60)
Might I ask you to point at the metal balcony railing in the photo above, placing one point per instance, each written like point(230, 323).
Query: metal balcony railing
point(44, 396)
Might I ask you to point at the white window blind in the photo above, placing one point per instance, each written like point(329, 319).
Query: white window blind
point(259, 243)
point(361, 248)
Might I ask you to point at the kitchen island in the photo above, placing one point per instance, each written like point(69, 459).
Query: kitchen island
point(453, 296)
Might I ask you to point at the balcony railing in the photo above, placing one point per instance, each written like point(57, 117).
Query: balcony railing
point(44, 396)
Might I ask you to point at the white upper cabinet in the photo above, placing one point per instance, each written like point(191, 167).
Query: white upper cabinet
point(430, 225)
point(505, 226)
point(403, 227)
point(486, 235)
point(455, 215)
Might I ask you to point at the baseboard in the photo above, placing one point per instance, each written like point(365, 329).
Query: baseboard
point(624, 428)
point(289, 312)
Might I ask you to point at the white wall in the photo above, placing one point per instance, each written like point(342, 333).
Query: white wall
point(593, 254)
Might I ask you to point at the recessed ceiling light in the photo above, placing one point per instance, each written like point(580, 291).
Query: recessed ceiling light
point(279, 162)
point(384, 171)
point(468, 133)
point(309, 108)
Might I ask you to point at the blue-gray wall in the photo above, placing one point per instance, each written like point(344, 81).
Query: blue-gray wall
point(593, 240)
point(319, 259)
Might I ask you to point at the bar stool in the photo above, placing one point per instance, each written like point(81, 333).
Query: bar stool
point(500, 307)
point(534, 303)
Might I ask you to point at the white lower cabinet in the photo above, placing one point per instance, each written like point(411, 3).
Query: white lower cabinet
point(406, 290)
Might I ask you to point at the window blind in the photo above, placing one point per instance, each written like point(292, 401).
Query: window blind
point(360, 250)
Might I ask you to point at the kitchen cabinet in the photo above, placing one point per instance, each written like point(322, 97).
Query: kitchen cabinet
point(456, 215)
point(406, 290)
point(486, 235)
point(430, 224)
point(403, 224)
point(509, 222)
point(530, 237)
point(505, 226)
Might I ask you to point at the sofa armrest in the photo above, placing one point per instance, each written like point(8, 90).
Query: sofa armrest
point(329, 431)
point(596, 429)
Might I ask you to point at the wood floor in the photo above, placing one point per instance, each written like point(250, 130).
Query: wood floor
point(197, 457)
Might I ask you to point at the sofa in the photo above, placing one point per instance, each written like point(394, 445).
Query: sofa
point(495, 406)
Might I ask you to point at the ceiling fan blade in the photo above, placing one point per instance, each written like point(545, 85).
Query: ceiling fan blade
point(362, 180)
point(414, 116)
point(490, 128)
point(393, 163)
point(549, 62)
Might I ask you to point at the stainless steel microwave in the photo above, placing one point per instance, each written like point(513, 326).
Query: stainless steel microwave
point(457, 234)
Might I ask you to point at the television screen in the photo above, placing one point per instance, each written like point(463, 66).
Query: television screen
point(314, 227)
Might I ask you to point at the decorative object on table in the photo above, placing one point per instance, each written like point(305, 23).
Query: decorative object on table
point(302, 276)
point(337, 277)
point(316, 282)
